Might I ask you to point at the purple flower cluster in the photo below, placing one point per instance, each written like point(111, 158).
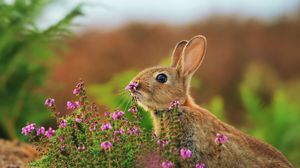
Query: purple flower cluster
point(133, 131)
point(81, 147)
point(132, 86)
point(133, 109)
point(174, 104)
point(50, 132)
point(92, 127)
point(106, 126)
point(200, 165)
point(221, 139)
point(162, 143)
point(63, 123)
point(28, 129)
point(167, 164)
point(118, 115)
point(120, 132)
point(106, 145)
point(40, 131)
point(50, 102)
point(185, 153)
point(73, 105)
point(78, 119)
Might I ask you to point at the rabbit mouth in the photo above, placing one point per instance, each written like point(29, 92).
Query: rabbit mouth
point(139, 96)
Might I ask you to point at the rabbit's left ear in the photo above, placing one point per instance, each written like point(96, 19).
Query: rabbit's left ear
point(192, 56)
point(177, 52)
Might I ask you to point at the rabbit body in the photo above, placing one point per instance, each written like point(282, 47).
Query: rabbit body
point(198, 127)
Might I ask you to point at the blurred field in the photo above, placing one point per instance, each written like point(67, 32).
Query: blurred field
point(233, 46)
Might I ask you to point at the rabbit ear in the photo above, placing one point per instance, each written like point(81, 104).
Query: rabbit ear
point(177, 52)
point(193, 54)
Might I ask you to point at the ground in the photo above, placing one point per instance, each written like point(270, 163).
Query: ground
point(15, 154)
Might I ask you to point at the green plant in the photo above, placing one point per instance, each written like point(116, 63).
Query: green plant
point(112, 95)
point(24, 49)
point(82, 141)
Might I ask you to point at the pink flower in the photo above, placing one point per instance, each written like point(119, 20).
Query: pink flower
point(63, 148)
point(78, 120)
point(167, 164)
point(49, 102)
point(106, 145)
point(121, 132)
point(50, 132)
point(63, 123)
point(185, 153)
point(133, 131)
point(76, 91)
point(73, 106)
point(28, 129)
point(118, 115)
point(221, 139)
point(40, 131)
point(92, 127)
point(133, 109)
point(162, 143)
point(174, 104)
point(81, 147)
point(132, 86)
point(200, 165)
point(106, 127)
point(106, 114)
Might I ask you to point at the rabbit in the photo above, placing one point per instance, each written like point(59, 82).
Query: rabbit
point(158, 86)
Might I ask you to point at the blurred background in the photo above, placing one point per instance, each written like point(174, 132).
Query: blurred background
point(249, 78)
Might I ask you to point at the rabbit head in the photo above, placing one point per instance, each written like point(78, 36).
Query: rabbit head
point(158, 86)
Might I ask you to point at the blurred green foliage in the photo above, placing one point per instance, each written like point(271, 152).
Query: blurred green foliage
point(24, 53)
point(272, 108)
point(276, 120)
point(114, 96)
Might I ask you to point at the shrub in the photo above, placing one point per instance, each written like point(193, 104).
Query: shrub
point(82, 141)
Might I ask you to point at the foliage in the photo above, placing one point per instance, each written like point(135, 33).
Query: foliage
point(276, 122)
point(82, 141)
point(23, 50)
point(106, 94)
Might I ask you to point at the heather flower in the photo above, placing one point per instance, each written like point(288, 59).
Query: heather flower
point(162, 143)
point(185, 153)
point(76, 91)
point(107, 114)
point(118, 115)
point(63, 123)
point(167, 164)
point(50, 132)
point(200, 165)
point(61, 138)
point(63, 148)
point(174, 104)
point(106, 127)
point(133, 109)
point(92, 127)
point(106, 145)
point(72, 106)
point(81, 147)
point(221, 139)
point(132, 86)
point(40, 131)
point(28, 129)
point(121, 132)
point(133, 131)
point(78, 120)
point(49, 102)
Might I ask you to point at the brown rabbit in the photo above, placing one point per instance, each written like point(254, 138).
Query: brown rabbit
point(158, 86)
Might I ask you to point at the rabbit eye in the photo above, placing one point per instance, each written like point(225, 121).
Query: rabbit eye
point(162, 78)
